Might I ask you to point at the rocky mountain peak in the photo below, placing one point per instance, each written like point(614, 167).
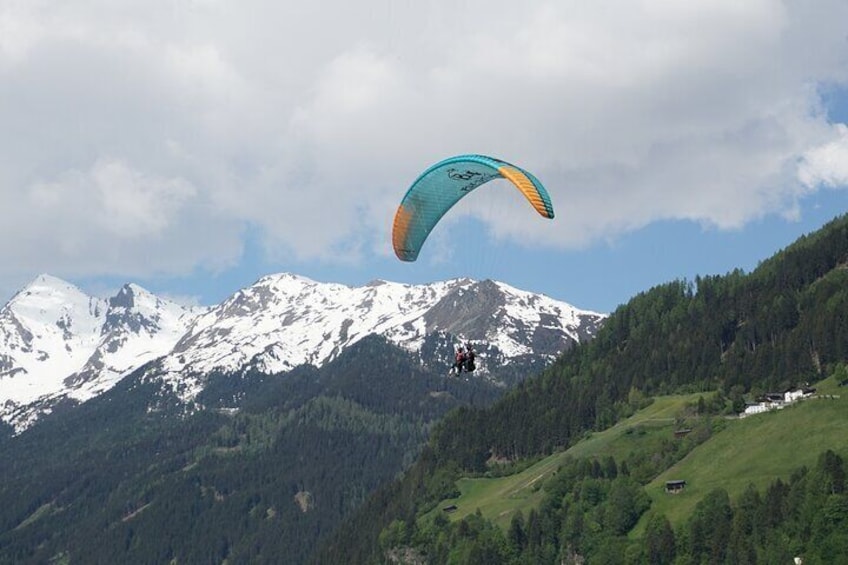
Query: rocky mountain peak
point(125, 297)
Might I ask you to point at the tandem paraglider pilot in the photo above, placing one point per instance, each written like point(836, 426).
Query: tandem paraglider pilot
point(463, 360)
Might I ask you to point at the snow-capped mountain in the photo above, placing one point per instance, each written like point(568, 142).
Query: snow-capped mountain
point(56, 342)
point(138, 327)
point(47, 331)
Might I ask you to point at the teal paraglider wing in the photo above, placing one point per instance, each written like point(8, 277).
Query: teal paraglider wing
point(443, 185)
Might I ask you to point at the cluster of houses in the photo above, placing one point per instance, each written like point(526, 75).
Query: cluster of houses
point(777, 400)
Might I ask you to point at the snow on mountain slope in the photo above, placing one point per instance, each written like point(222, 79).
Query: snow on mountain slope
point(285, 320)
point(57, 342)
point(47, 331)
point(138, 327)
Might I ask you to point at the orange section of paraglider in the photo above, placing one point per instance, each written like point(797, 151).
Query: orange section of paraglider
point(399, 231)
point(527, 188)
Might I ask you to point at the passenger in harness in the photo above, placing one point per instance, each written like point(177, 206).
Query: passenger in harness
point(459, 361)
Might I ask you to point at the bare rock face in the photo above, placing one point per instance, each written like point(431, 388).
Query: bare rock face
point(304, 500)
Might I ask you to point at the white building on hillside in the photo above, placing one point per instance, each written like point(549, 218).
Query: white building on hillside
point(777, 401)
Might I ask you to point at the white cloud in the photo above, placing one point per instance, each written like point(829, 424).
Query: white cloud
point(116, 199)
point(827, 164)
point(143, 138)
point(134, 204)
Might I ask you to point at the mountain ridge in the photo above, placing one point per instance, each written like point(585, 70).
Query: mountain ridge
point(58, 344)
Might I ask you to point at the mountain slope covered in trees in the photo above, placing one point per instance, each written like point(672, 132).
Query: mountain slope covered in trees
point(112, 481)
point(781, 325)
point(739, 334)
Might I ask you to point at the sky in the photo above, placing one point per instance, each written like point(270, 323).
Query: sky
point(194, 146)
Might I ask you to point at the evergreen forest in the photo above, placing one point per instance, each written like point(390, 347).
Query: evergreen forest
point(116, 481)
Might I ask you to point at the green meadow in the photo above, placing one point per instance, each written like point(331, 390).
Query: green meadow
point(498, 498)
point(757, 449)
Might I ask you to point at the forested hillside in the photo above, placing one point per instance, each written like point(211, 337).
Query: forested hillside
point(781, 325)
point(741, 334)
point(114, 481)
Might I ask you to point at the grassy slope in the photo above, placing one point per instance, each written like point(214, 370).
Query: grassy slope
point(498, 498)
point(756, 450)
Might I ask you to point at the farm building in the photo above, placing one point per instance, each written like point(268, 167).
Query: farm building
point(674, 487)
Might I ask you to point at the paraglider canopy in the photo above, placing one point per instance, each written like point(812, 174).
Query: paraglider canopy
point(443, 185)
